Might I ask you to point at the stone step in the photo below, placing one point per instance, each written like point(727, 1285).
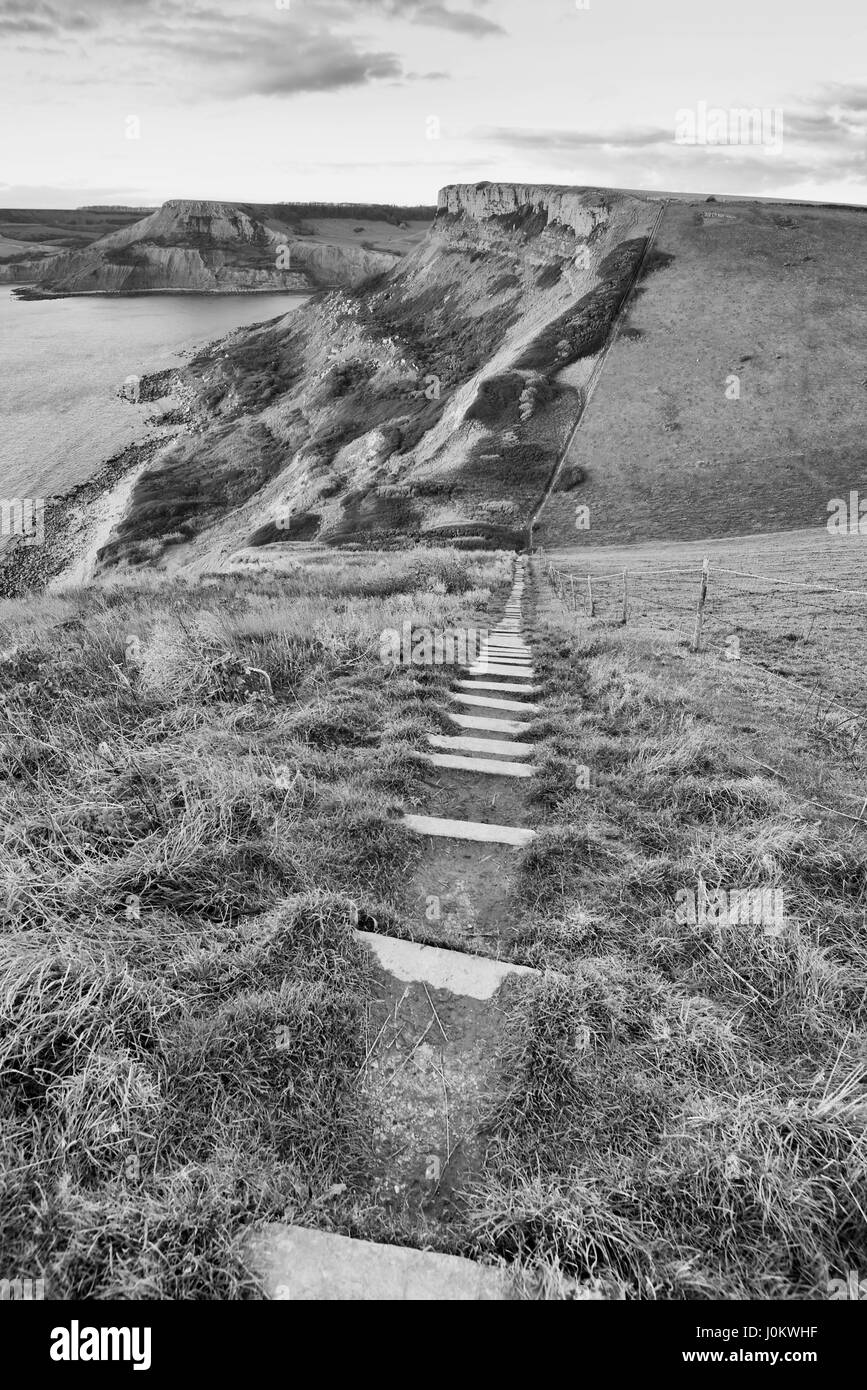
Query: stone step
point(297, 1264)
point(497, 668)
point(491, 701)
point(469, 830)
point(509, 687)
point(515, 666)
point(489, 767)
point(494, 726)
point(488, 747)
point(476, 977)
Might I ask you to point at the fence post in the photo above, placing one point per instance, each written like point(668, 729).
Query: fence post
point(590, 594)
point(699, 614)
point(625, 595)
point(572, 588)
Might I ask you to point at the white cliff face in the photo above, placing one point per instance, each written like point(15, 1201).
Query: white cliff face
point(578, 208)
point(581, 210)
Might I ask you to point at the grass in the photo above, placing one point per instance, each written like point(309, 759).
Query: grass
point(198, 782)
point(793, 602)
point(739, 437)
point(681, 1107)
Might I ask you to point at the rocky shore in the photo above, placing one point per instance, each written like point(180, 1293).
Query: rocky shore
point(72, 518)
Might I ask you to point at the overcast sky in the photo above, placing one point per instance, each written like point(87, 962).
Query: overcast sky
point(387, 100)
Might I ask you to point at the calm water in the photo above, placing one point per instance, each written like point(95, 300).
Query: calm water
point(63, 360)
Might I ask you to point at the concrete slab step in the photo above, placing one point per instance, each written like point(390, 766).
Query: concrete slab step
point(477, 977)
point(510, 687)
point(492, 701)
point(493, 726)
point(469, 830)
point(497, 668)
point(505, 656)
point(488, 767)
point(514, 665)
point(488, 747)
point(297, 1264)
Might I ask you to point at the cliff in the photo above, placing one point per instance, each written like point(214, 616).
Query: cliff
point(223, 248)
point(440, 402)
point(432, 404)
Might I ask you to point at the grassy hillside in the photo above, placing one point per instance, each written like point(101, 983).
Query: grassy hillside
point(793, 603)
point(672, 446)
point(684, 1108)
point(200, 779)
point(197, 782)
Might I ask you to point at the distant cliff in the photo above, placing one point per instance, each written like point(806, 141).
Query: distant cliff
point(430, 404)
point(228, 247)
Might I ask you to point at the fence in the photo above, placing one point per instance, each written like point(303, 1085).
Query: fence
point(809, 637)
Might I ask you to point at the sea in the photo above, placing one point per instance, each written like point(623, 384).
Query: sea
point(63, 362)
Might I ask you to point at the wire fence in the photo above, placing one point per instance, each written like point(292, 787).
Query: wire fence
point(809, 636)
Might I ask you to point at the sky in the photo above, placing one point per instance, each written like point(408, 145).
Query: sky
point(139, 101)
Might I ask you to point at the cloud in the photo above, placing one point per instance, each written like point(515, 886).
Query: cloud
point(241, 50)
point(40, 17)
point(571, 143)
point(434, 15)
point(824, 135)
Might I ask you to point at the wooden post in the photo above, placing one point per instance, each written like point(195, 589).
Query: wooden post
point(572, 589)
point(590, 594)
point(625, 595)
point(699, 614)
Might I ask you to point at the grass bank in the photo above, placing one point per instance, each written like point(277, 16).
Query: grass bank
point(681, 1107)
point(198, 780)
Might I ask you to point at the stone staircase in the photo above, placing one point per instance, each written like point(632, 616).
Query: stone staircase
point(437, 1020)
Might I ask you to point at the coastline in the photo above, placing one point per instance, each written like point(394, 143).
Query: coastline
point(74, 521)
point(26, 294)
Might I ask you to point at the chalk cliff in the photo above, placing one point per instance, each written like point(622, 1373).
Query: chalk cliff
point(218, 247)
